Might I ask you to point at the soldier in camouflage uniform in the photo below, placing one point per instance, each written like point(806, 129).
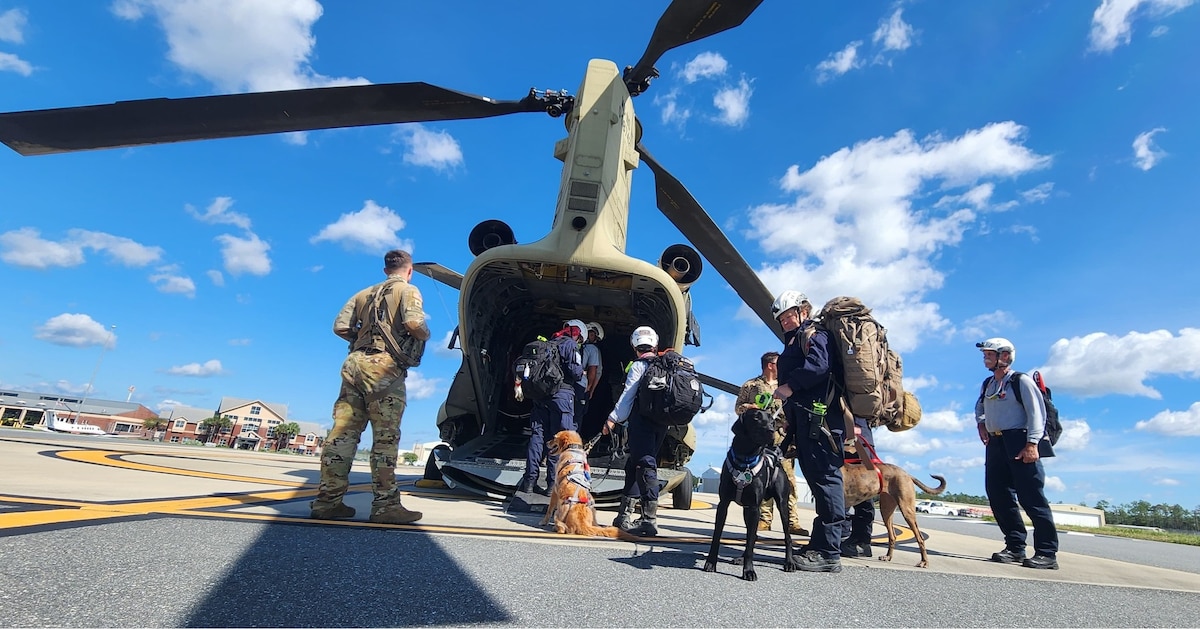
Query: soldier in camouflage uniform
point(372, 391)
point(766, 384)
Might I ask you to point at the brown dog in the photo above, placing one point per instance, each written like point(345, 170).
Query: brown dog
point(571, 502)
point(895, 488)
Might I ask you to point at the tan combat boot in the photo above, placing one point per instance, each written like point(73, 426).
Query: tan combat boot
point(395, 514)
point(324, 511)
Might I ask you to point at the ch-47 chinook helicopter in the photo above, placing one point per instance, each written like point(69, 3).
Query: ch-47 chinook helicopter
point(510, 292)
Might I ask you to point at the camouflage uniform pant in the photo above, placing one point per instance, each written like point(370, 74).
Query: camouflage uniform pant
point(766, 511)
point(372, 391)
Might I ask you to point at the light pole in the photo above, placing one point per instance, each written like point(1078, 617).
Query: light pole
point(103, 348)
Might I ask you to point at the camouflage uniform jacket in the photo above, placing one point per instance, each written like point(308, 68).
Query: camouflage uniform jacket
point(407, 309)
point(745, 400)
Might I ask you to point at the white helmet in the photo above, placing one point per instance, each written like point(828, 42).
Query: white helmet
point(787, 300)
point(578, 325)
point(598, 329)
point(644, 335)
point(999, 345)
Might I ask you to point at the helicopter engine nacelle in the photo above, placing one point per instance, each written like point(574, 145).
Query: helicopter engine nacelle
point(682, 263)
point(490, 234)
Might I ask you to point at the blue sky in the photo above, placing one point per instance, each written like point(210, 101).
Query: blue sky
point(1018, 169)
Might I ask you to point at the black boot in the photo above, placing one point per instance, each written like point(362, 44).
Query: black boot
point(625, 512)
point(647, 526)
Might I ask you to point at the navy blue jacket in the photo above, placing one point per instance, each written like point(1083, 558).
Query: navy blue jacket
point(568, 355)
point(809, 374)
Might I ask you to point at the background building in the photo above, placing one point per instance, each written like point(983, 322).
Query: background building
point(22, 408)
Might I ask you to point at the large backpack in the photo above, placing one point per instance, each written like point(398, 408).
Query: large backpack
point(1053, 426)
point(872, 374)
point(669, 392)
point(539, 369)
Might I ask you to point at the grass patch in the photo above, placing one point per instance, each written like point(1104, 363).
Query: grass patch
point(1191, 539)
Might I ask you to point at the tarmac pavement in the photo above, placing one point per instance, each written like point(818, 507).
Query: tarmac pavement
point(117, 532)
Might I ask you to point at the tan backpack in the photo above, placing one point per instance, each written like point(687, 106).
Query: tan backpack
point(872, 373)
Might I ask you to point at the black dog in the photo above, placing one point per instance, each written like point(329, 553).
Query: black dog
point(752, 472)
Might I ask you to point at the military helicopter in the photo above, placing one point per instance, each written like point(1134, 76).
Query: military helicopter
point(510, 292)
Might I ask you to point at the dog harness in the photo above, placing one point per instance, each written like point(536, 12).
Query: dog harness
point(744, 469)
point(874, 459)
point(578, 473)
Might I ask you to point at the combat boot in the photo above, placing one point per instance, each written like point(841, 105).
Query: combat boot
point(395, 514)
point(625, 511)
point(647, 525)
point(325, 511)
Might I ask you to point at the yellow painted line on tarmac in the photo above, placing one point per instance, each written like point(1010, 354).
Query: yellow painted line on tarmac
point(110, 458)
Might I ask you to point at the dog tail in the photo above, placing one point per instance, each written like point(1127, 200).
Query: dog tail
point(602, 531)
point(935, 491)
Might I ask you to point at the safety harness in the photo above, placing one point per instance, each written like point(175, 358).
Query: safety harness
point(744, 469)
point(872, 462)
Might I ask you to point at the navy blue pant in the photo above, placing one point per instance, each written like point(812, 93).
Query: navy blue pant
point(821, 463)
point(641, 469)
point(1010, 482)
point(548, 417)
point(863, 519)
point(581, 406)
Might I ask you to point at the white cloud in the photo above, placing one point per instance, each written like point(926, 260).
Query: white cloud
point(441, 348)
point(1076, 435)
point(209, 368)
point(1102, 364)
point(239, 342)
point(1174, 423)
point(894, 33)
point(215, 277)
point(1054, 483)
point(1167, 482)
point(848, 195)
point(245, 255)
point(165, 407)
point(987, 325)
point(908, 443)
point(703, 66)
point(239, 46)
point(672, 112)
point(1112, 22)
point(25, 247)
point(76, 330)
point(418, 387)
point(734, 103)
point(839, 62)
point(168, 280)
point(12, 63)
point(12, 25)
point(1146, 154)
point(1159, 31)
point(712, 426)
point(947, 421)
point(954, 465)
point(423, 147)
point(218, 213)
point(372, 228)
point(912, 385)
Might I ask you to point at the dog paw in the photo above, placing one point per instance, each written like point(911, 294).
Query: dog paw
point(789, 565)
point(749, 575)
point(710, 566)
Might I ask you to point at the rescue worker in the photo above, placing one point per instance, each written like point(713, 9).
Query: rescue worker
point(807, 385)
point(645, 440)
point(1012, 468)
point(764, 385)
point(555, 412)
point(372, 391)
point(593, 367)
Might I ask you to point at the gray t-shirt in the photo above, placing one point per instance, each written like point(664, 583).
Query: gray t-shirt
point(998, 409)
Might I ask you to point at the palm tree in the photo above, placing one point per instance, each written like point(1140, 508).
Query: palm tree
point(153, 425)
point(284, 434)
point(215, 425)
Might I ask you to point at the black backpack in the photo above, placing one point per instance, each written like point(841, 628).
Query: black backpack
point(1053, 427)
point(539, 369)
point(669, 392)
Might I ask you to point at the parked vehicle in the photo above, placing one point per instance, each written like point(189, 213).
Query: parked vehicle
point(935, 507)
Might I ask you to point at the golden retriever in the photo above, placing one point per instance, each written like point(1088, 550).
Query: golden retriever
point(571, 502)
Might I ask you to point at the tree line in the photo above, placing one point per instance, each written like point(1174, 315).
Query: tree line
point(1136, 513)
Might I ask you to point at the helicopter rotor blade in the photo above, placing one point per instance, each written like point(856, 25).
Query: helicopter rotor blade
point(682, 209)
point(718, 384)
point(440, 273)
point(162, 120)
point(685, 21)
